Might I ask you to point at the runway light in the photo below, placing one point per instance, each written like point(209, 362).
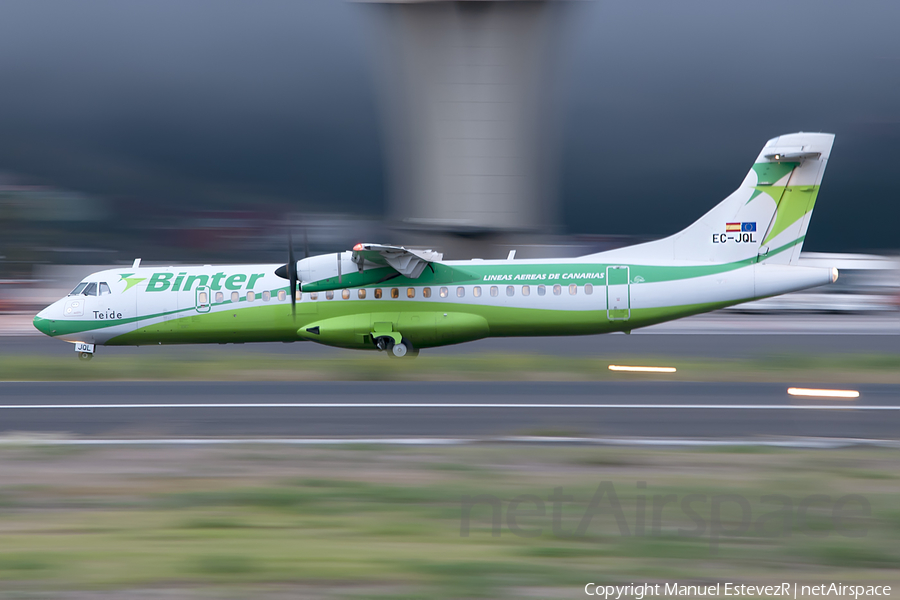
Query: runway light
point(642, 369)
point(823, 393)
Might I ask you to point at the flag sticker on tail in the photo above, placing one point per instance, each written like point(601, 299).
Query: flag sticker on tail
point(739, 233)
point(736, 227)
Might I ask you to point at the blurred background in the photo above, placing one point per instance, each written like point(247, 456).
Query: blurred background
point(204, 132)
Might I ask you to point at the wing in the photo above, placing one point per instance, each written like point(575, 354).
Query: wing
point(407, 262)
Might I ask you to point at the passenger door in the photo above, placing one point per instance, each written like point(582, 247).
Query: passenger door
point(618, 293)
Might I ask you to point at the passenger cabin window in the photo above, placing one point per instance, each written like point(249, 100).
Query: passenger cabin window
point(526, 290)
point(235, 297)
point(460, 292)
point(588, 289)
point(78, 289)
point(573, 289)
point(542, 289)
point(426, 292)
point(299, 296)
point(444, 292)
point(395, 292)
point(314, 295)
point(495, 291)
point(345, 294)
point(410, 292)
point(362, 294)
point(510, 290)
point(220, 297)
point(104, 289)
point(281, 295)
point(476, 291)
point(202, 299)
point(377, 293)
point(267, 295)
point(90, 290)
point(251, 296)
point(557, 290)
point(329, 295)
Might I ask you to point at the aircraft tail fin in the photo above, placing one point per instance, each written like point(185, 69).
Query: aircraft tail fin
point(767, 216)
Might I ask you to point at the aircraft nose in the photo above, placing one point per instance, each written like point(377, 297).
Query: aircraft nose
point(43, 323)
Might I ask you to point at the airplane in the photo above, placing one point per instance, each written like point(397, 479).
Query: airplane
point(401, 300)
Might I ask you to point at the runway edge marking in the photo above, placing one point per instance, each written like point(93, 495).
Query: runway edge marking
point(812, 443)
point(845, 407)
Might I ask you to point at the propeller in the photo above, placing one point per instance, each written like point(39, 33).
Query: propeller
point(289, 272)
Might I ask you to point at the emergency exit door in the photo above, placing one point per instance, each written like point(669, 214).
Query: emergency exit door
point(618, 294)
point(202, 299)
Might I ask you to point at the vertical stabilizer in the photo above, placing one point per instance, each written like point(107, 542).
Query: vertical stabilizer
point(789, 171)
point(766, 218)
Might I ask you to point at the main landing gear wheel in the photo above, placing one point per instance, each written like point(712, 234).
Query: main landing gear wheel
point(404, 349)
point(85, 356)
point(399, 350)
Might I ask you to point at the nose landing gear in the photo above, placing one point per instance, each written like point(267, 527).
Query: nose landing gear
point(84, 351)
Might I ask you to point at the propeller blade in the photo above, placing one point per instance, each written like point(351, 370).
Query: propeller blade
point(289, 271)
point(292, 276)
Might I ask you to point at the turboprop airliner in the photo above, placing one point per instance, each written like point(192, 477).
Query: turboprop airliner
point(401, 300)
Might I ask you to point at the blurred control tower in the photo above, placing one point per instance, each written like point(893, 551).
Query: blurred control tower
point(466, 91)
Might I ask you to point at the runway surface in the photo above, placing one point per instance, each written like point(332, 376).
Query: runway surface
point(714, 345)
point(664, 410)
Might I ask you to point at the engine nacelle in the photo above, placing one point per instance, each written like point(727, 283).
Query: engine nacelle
point(338, 270)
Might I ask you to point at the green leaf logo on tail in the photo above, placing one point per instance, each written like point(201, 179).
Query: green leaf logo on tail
point(130, 281)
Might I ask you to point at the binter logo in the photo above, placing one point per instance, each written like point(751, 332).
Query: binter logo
point(130, 281)
point(182, 282)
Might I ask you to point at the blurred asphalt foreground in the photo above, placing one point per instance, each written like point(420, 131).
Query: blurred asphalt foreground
point(722, 346)
point(278, 522)
point(391, 521)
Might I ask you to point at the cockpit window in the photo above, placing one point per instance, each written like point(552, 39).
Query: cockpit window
point(90, 290)
point(104, 289)
point(78, 289)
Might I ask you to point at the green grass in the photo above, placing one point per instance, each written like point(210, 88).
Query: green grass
point(854, 556)
point(389, 519)
point(222, 565)
point(208, 365)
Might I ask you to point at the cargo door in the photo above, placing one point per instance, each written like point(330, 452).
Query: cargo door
point(157, 311)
